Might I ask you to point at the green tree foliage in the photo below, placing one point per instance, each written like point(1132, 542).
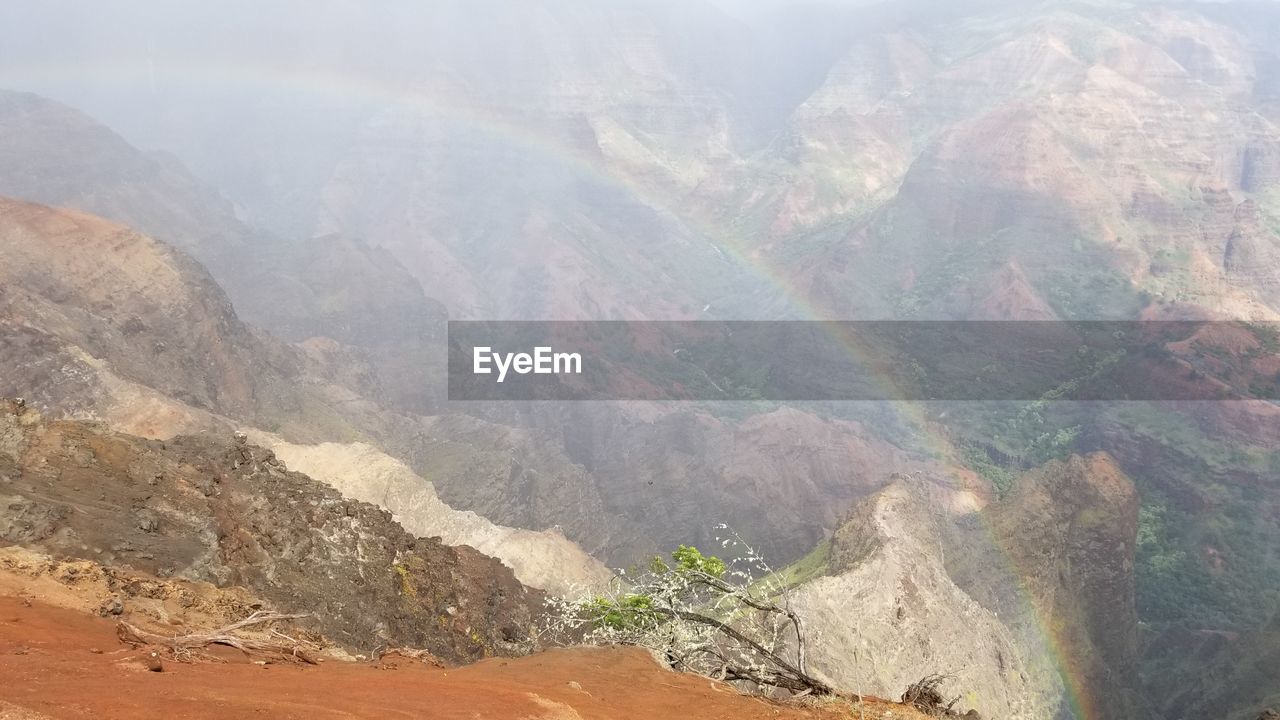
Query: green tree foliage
point(731, 621)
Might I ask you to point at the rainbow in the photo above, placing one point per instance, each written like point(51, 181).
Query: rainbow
point(490, 123)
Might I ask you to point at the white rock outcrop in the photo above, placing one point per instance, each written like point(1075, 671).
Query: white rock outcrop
point(542, 559)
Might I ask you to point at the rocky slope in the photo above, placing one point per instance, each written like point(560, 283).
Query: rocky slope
point(995, 162)
point(102, 291)
point(1127, 139)
point(1029, 609)
point(889, 162)
point(100, 319)
point(886, 613)
point(545, 560)
point(881, 197)
point(420, 159)
point(334, 287)
point(1056, 561)
point(630, 480)
point(125, 329)
point(230, 513)
point(593, 485)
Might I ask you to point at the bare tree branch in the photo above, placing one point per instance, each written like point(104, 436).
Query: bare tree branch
point(183, 645)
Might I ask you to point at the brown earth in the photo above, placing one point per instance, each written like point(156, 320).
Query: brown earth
point(166, 605)
point(228, 513)
point(51, 670)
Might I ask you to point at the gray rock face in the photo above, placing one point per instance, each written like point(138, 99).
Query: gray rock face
point(629, 480)
point(544, 560)
point(923, 579)
point(888, 613)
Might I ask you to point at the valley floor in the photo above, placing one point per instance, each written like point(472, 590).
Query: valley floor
point(59, 663)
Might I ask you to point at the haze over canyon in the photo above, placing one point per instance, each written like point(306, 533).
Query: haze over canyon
point(232, 236)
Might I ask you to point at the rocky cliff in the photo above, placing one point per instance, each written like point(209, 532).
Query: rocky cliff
point(102, 322)
point(102, 319)
point(223, 511)
point(1027, 604)
point(886, 613)
point(1060, 138)
point(335, 287)
point(1000, 160)
point(1056, 561)
point(104, 292)
point(629, 480)
point(545, 560)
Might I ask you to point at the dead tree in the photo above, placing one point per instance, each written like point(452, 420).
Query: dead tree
point(188, 646)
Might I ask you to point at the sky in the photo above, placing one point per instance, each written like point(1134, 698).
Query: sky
point(747, 8)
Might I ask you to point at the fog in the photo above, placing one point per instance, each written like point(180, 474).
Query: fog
point(481, 113)
point(222, 84)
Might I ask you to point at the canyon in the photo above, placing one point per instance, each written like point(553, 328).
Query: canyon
point(185, 254)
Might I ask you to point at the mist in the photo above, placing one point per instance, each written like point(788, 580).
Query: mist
point(955, 323)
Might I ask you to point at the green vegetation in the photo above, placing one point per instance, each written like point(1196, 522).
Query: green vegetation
point(1269, 205)
point(1206, 551)
point(1001, 478)
point(1178, 432)
point(620, 614)
point(704, 615)
point(806, 568)
point(1033, 435)
point(1268, 339)
point(1087, 289)
point(406, 583)
point(1164, 569)
point(1216, 571)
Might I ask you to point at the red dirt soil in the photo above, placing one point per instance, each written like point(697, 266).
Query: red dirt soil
point(49, 669)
